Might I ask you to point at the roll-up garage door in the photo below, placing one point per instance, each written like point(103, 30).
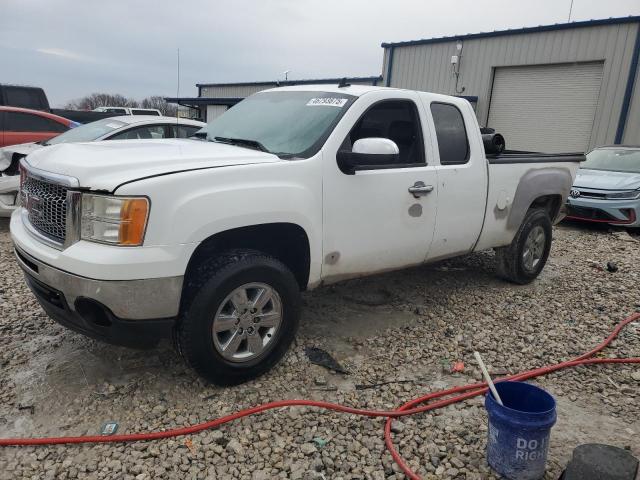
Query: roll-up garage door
point(546, 108)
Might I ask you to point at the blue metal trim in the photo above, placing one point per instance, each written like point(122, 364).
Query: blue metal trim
point(628, 91)
point(499, 33)
point(283, 83)
point(387, 80)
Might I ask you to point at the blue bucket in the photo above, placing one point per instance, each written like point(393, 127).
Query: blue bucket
point(519, 431)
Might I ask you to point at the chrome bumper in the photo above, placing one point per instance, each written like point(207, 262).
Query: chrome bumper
point(127, 299)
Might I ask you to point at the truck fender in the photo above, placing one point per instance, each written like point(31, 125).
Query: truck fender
point(534, 184)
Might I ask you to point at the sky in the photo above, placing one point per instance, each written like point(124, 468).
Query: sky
point(72, 48)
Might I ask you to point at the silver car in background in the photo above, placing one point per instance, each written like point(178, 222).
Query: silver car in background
point(607, 187)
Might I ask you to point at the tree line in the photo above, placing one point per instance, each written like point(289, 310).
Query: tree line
point(96, 100)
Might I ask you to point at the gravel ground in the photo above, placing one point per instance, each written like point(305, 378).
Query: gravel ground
point(405, 326)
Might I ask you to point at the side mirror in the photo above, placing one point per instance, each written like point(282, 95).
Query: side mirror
point(368, 154)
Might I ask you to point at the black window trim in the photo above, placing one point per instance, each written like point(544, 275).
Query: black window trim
point(393, 166)
point(466, 134)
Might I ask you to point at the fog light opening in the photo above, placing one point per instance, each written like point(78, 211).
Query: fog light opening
point(93, 312)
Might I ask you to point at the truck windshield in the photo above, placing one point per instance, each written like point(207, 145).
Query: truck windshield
point(618, 160)
point(88, 132)
point(288, 124)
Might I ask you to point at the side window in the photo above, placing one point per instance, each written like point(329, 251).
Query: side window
point(27, 122)
point(149, 131)
point(396, 120)
point(453, 143)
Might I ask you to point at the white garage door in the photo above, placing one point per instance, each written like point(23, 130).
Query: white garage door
point(546, 108)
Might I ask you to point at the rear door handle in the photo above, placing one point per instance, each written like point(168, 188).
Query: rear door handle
point(419, 188)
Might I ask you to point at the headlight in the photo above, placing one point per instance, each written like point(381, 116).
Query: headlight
point(630, 195)
point(114, 220)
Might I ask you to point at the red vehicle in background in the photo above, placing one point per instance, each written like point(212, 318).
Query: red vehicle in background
point(22, 125)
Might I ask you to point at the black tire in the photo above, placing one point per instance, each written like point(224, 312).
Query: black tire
point(207, 288)
point(510, 262)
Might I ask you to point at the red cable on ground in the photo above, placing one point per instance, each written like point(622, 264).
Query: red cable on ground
point(409, 408)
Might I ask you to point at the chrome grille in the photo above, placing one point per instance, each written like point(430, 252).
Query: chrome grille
point(46, 205)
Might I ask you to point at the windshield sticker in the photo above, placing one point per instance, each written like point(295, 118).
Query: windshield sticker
point(327, 101)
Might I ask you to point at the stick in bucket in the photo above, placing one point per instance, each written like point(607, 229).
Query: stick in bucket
point(487, 377)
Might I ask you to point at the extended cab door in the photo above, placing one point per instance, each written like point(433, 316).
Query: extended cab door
point(462, 173)
point(371, 221)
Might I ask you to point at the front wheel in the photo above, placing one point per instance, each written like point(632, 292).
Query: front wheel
point(523, 260)
point(242, 316)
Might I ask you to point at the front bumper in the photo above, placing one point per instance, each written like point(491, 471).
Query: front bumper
point(614, 212)
point(134, 313)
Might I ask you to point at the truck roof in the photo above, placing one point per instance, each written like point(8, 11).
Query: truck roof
point(356, 90)
point(359, 90)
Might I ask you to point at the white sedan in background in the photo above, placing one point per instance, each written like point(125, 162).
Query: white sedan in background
point(126, 127)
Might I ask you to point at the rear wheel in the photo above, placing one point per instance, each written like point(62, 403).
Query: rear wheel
point(523, 260)
point(242, 314)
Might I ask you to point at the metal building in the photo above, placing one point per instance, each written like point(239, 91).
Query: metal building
point(563, 87)
point(215, 98)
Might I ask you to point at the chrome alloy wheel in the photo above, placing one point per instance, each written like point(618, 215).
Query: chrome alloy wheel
point(246, 323)
point(533, 250)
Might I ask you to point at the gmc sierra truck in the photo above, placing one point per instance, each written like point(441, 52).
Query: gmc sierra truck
point(210, 241)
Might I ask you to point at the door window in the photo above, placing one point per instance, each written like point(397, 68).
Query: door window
point(396, 120)
point(451, 133)
point(146, 132)
point(28, 122)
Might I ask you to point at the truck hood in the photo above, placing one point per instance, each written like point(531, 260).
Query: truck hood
point(607, 180)
point(105, 165)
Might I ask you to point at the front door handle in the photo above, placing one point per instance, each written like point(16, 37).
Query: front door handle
point(419, 188)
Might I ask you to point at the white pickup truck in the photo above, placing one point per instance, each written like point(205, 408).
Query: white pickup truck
point(210, 241)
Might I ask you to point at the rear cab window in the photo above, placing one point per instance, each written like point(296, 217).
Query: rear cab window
point(451, 132)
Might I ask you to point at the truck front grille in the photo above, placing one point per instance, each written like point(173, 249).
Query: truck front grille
point(46, 204)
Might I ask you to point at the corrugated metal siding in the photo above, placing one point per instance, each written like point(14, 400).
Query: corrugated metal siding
point(546, 108)
point(428, 67)
point(233, 91)
point(214, 111)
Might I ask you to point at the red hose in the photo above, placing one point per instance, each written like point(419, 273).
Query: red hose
point(409, 408)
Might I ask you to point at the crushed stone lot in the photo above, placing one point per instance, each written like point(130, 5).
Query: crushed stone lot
point(404, 327)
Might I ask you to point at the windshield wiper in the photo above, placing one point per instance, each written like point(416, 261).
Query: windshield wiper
point(242, 142)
